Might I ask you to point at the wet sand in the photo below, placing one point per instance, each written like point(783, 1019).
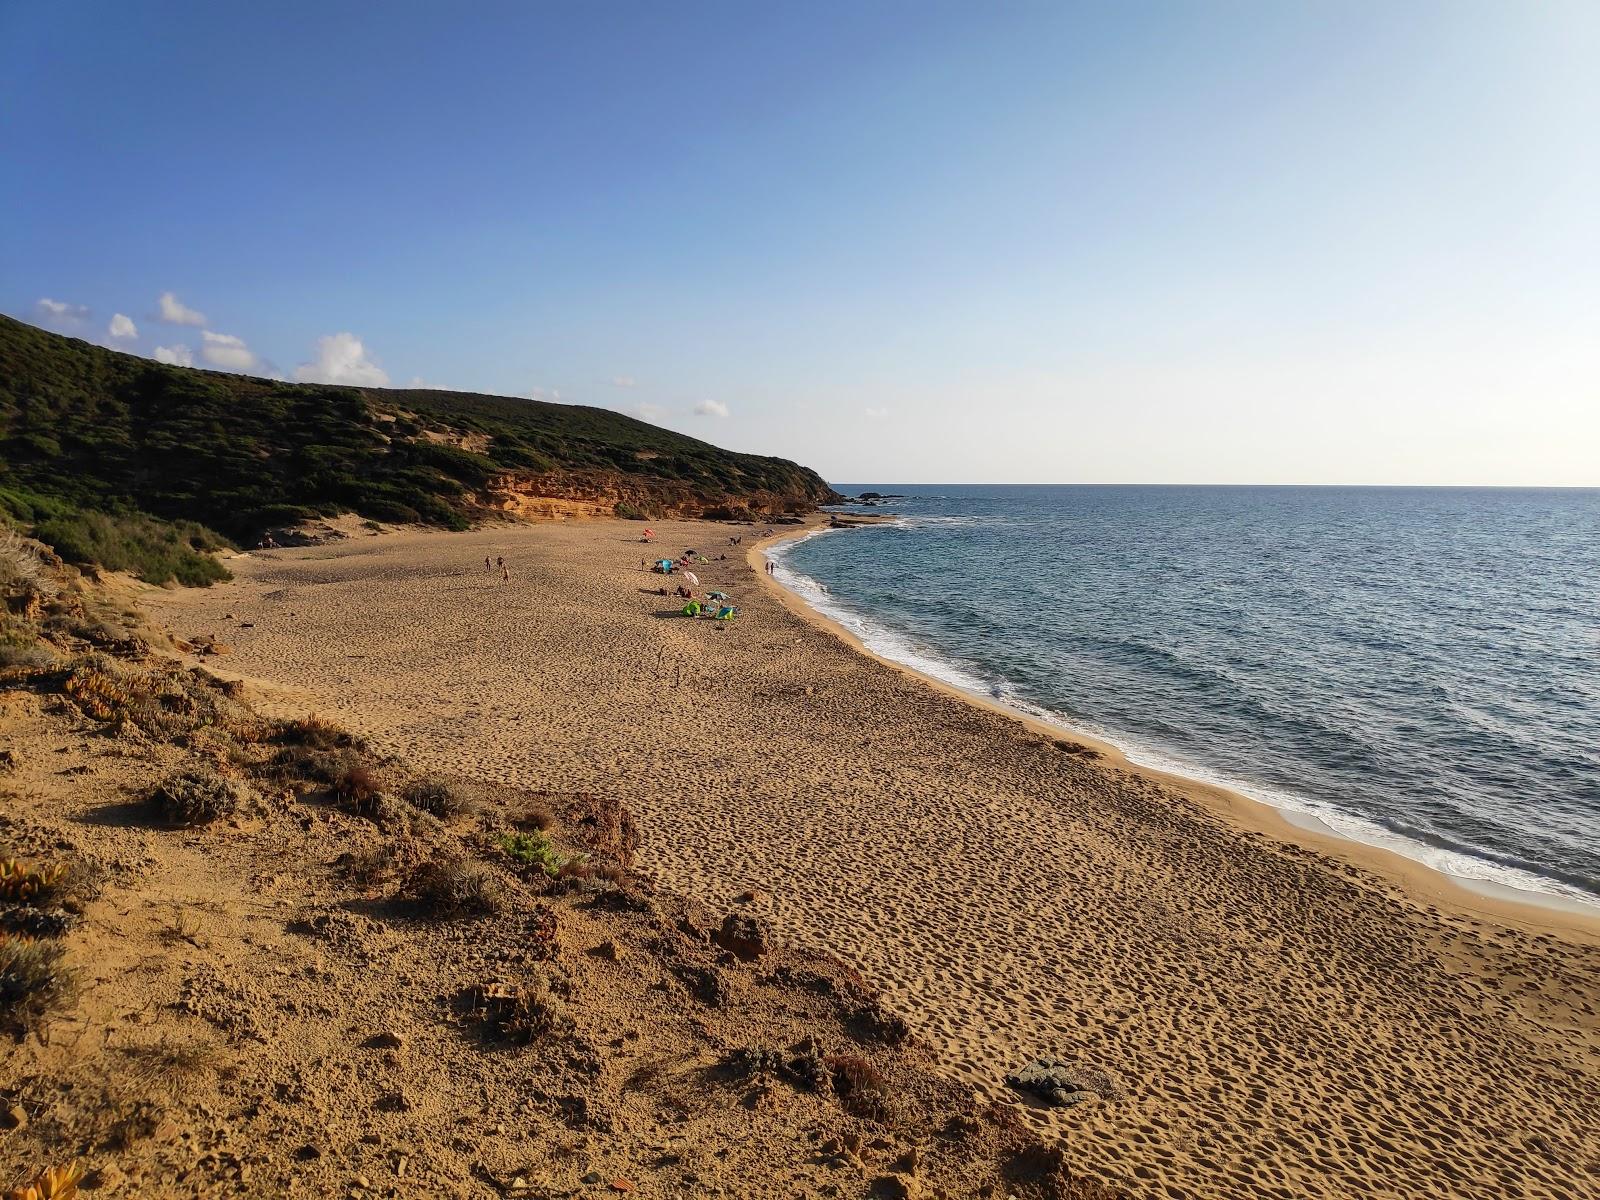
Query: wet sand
point(1290, 1016)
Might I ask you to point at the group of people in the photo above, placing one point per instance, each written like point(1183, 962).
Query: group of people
point(500, 563)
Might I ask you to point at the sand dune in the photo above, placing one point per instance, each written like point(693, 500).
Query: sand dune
point(1284, 1023)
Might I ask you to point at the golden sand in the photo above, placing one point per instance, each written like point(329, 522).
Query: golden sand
point(1290, 1016)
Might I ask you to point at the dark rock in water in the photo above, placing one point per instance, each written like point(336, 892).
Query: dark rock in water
point(744, 936)
point(1063, 1082)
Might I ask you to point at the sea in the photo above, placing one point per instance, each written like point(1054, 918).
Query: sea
point(1415, 668)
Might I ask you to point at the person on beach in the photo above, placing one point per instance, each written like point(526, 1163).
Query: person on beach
point(486, 564)
point(505, 573)
point(500, 562)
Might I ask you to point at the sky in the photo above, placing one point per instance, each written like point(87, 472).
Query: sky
point(900, 242)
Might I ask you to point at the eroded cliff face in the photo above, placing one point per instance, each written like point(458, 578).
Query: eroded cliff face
point(560, 495)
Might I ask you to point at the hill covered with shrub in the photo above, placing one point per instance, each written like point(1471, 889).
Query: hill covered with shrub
point(135, 465)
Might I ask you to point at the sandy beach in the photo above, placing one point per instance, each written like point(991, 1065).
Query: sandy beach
point(1289, 1016)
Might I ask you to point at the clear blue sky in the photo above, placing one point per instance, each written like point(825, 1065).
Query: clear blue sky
point(1230, 242)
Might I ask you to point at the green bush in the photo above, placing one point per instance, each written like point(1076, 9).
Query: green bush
point(156, 551)
point(531, 850)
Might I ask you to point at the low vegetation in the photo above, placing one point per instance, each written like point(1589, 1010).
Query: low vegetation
point(53, 1183)
point(33, 981)
point(532, 850)
point(134, 465)
point(436, 798)
point(521, 1013)
point(197, 797)
point(453, 885)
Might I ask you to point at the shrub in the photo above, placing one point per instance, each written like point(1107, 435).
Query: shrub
point(532, 850)
point(303, 764)
point(156, 551)
point(355, 786)
point(32, 981)
point(374, 865)
point(197, 797)
point(521, 1014)
point(435, 796)
point(452, 886)
point(20, 568)
point(317, 734)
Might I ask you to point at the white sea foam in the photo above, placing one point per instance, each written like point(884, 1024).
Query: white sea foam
point(1299, 810)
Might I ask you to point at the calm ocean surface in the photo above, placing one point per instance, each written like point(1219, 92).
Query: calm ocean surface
point(1416, 667)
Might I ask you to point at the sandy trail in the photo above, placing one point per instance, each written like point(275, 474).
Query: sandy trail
point(1285, 1024)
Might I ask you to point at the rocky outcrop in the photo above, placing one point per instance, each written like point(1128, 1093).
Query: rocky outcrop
point(561, 495)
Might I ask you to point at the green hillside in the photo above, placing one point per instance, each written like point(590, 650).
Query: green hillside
point(134, 465)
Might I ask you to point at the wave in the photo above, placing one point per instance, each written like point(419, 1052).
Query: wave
point(1467, 863)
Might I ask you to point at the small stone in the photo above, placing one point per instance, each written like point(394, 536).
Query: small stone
point(384, 1041)
point(15, 1117)
point(620, 1184)
point(361, 1181)
point(591, 1178)
point(608, 950)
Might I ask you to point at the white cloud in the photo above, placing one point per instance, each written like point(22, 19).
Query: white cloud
point(122, 326)
point(60, 308)
point(875, 414)
point(711, 408)
point(540, 393)
point(624, 381)
point(176, 356)
point(227, 351)
point(174, 312)
point(341, 358)
point(59, 314)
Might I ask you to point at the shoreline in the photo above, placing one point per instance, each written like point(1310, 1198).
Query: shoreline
point(1012, 895)
point(1537, 912)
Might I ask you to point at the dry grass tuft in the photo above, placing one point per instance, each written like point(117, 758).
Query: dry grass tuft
point(376, 865)
point(454, 886)
point(435, 796)
point(32, 981)
point(521, 1014)
point(168, 1065)
point(861, 1087)
point(314, 733)
point(197, 797)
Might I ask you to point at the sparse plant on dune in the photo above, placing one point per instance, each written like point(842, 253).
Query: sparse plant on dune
point(532, 850)
point(32, 981)
point(860, 1086)
point(53, 1183)
point(521, 1013)
point(317, 734)
point(376, 864)
point(197, 797)
point(453, 886)
point(169, 1064)
point(435, 796)
point(20, 568)
point(22, 884)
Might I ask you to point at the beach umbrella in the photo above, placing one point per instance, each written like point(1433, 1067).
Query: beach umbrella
point(691, 577)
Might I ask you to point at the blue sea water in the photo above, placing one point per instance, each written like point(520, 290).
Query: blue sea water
point(1414, 667)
